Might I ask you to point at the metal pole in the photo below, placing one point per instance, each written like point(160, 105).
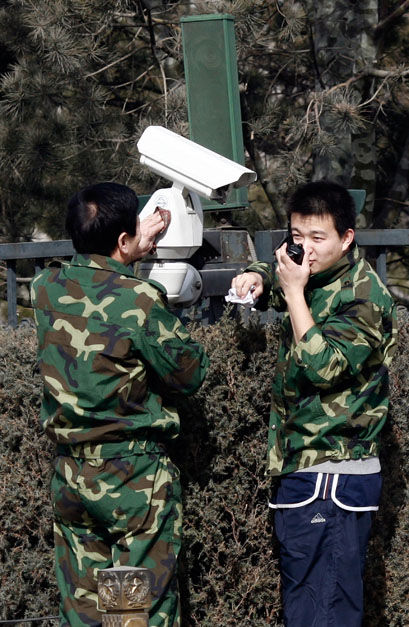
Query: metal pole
point(381, 264)
point(11, 293)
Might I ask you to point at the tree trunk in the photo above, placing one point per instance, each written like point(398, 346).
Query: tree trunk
point(342, 51)
point(391, 215)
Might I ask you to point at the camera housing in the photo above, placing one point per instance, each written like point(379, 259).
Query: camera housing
point(190, 165)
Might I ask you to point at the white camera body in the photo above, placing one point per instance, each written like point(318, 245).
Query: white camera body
point(195, 171)
point(184, 235)
point(182, 281)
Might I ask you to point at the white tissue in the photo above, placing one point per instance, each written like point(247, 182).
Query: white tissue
point(247, 301)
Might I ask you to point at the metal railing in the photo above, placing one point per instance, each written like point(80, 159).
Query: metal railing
point(224, 254)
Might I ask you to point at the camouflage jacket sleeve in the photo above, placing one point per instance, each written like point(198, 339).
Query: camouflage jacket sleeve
point(165, 344)
point(272, 293)
point(340, 346)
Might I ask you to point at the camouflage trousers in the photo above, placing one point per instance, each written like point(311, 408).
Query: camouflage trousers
point(124, 511)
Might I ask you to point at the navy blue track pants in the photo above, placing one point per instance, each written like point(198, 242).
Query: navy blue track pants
point(322, 558)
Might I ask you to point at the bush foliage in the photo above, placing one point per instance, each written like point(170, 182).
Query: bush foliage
point(229, 573)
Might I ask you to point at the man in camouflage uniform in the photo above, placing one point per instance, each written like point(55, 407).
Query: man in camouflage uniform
point(329, 403)
point(112, 357)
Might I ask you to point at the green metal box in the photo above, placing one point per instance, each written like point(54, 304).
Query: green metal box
point(212, 87)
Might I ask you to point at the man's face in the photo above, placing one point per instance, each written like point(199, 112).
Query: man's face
point(318, 235)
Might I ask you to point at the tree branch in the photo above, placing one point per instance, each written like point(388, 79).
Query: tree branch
point(19, 279)
point(314, 57)
point(397, 202)
point(106, 67)
point(138, 78)
point(371, 71)
point(395, 15)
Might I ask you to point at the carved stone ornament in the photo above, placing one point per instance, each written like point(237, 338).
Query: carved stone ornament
point(109, 589)
point(123, 620)
point(136, 588)
point(123, 589)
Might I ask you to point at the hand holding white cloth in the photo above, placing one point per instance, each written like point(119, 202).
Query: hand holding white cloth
point(247, 301)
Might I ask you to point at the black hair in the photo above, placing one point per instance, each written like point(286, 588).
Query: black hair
point(324, 198)
point(98, 214)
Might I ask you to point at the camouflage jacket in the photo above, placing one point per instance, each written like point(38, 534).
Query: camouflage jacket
point(330, 391)
point(111, 356)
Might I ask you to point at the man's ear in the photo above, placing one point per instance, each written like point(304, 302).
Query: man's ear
point(123, 241)
point(347, 239)
point(120, 252)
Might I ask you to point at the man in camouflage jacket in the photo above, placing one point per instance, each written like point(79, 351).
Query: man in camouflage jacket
point(329, 404)
point(113, 358)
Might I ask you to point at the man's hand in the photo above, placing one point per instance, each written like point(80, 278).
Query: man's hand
point(244, 282)
point(292, 277)
point(150, 227)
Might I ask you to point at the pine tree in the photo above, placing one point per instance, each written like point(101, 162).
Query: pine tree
point(79, 81)
point(323, 92)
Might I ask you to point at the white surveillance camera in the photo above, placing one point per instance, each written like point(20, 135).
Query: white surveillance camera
point(194, 171)
point(190, 165)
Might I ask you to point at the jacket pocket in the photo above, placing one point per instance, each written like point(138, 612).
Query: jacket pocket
point(310, 426)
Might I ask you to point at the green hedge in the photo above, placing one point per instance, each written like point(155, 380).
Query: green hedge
point(229, 573)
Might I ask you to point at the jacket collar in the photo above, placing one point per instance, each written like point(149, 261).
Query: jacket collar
point(347, 261)
point(101, 262)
